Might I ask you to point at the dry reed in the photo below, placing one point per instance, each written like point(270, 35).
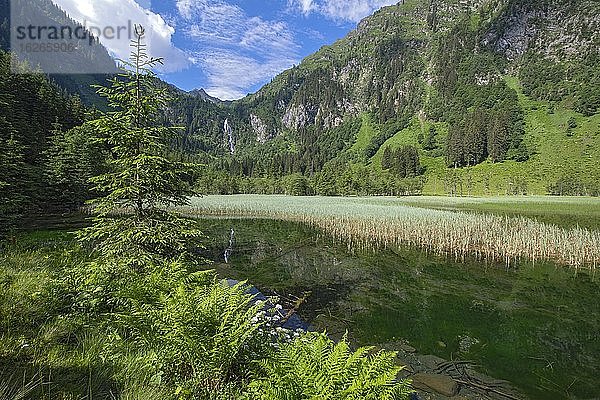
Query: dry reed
point(367, 223)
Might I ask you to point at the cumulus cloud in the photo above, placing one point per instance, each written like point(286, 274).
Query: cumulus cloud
point(125, 13)
point(236, 51)
point(340, 10)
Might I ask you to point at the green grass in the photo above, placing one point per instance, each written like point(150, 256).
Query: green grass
point(44, 347)
point(567, 212)
point(407, 136)
point(366, 133)
point(32, 338)
point(553, 153)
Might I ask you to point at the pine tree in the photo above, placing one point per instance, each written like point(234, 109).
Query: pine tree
point(475, 138)
point(29, 105)
point(141, 182)
point(571, 124)
point(430, 142)
point(498, 137)
point(386, 161)
point(72, 159)
point(14, 200)
point(455, 156)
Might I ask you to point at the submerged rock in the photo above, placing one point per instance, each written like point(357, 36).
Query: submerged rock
point(466, 342)
point(441, 384)
point(408, 348)
point(293, 323)
point(431, 362)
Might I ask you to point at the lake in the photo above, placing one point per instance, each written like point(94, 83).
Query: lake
point(536, 326)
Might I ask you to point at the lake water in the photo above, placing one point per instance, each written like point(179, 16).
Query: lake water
point(535, 326)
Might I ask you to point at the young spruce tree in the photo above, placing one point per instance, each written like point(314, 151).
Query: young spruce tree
point(132, 221)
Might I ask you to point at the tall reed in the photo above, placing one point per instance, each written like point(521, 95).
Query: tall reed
point(364, 223)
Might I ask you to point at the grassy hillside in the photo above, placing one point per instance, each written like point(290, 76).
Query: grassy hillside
point(556, 152)
point(364, 136)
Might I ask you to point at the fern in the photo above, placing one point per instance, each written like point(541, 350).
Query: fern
point(314, 367)
point(10, 390)
point(203, 335)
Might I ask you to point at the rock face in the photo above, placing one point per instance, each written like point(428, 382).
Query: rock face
point(561, 29)
point(441, 384)
point(260, 128)
point(201, 93)
point(296, 117)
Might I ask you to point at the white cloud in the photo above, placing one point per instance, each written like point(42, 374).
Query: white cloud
point(306, 6)
point(235, 50)
point(230, 74)
point(340, 10)
point(125, 14)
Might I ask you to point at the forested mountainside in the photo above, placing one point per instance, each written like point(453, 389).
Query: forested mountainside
point(488, 88)
point(98, 56)
point(434, 96)
point(45, 159)
point(33, 110)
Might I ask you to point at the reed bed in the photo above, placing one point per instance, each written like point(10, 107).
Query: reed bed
point(375, 223)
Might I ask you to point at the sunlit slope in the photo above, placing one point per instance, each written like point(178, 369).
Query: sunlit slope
point(556, 152)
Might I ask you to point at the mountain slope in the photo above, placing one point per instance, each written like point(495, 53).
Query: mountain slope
point(469, 69)
point(486, 90)
point(46, 13)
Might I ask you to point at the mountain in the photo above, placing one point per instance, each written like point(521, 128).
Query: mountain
point(486, 90)
point(483, 92)
point(89, 57)
point(201, 94)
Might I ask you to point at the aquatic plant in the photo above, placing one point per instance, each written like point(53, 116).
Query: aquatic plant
point(370, 223)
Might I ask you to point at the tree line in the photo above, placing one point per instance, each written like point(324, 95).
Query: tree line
point(33, 113)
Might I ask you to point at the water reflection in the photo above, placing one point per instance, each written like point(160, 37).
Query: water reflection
point(229, 250)
point(536, 327)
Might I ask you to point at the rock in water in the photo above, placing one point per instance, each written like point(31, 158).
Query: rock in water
point(441, 384)
point(431, 362)
point(408, 348)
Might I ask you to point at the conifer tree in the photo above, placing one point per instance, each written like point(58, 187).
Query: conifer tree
point(13, 197)
point(72, 159)
point(142, 183)
point(386, 161)
point(430, 142)
point(475, 137)
point(455, 156)
point(498, 135)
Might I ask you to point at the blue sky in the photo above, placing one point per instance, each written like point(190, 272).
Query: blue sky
point(228, 47)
